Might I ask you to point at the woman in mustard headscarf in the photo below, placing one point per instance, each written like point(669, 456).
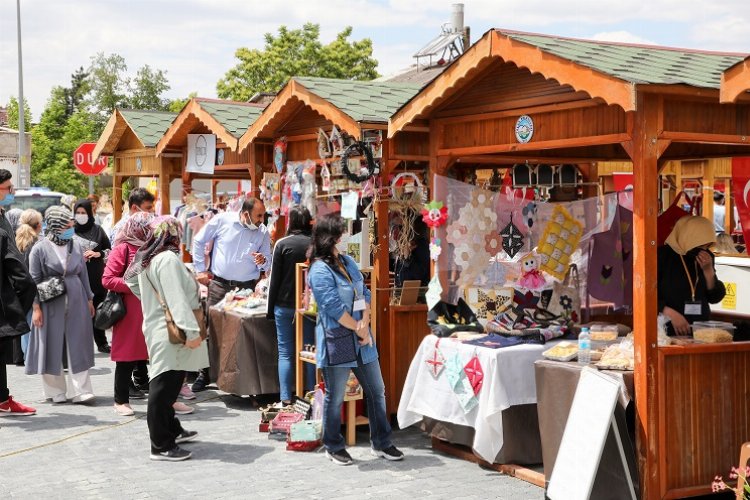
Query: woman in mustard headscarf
point(687, 279)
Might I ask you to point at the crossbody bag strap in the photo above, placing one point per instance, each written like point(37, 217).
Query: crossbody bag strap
point(158, 296)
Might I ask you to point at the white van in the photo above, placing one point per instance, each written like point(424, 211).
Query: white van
point(37, 198)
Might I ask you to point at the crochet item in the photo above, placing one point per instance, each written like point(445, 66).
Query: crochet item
point(512, 239)
point(560, 239)
point(435, 361)
point(435, 248)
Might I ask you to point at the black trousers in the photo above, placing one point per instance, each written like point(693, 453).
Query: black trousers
point(100, 337)
point(140, 373)
point(123, 374)
point(4, 391)
point(163, 425)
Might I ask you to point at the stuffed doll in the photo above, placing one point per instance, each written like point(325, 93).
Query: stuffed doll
point(531, 277)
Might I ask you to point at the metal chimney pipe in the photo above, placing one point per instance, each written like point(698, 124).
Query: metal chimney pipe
point(457, 18)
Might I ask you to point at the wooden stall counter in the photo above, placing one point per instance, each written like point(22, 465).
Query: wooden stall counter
point(704, 409)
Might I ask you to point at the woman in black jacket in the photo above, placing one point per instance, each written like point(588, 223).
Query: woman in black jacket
point(287, 253)
point(95, 254)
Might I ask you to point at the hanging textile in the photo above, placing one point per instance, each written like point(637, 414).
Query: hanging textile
point(610, 275)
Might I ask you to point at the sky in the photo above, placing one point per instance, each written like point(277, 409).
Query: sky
point(194, 40)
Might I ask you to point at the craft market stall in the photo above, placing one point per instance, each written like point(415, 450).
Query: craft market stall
point(519, 98)
point(330, 153)
point(131, 137)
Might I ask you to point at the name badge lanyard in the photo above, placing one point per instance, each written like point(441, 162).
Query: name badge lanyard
point(693, 286)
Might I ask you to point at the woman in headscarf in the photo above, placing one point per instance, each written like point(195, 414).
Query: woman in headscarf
point(157, 275)
point(687, 280)
point(128, 343)
point(14, 216)
point(61, 327)
point(96, 248)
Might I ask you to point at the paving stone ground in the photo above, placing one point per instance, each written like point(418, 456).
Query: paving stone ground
point(72, 451)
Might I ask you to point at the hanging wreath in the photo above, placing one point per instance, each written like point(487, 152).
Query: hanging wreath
point(359, 148)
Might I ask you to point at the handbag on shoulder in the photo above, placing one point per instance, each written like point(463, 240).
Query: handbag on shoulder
point(53, 287)
point(176, 334)
point(110, 311)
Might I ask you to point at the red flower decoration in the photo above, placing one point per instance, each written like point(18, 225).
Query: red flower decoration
point(435, 214)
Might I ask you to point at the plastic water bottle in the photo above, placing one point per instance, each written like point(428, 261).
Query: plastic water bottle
point(584, 346)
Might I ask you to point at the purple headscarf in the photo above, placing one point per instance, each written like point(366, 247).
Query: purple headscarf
point(136, 229)
point(166, 235)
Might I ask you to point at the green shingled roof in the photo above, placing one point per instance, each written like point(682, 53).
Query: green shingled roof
point(148, 126)
point(234, 117)
point(637, 63)
point(373, 102)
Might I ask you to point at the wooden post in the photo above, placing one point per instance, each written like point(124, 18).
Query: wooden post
point(164, 164)
point(117, 192)
point(644, 151)
point(708, 189)
point(381, 280)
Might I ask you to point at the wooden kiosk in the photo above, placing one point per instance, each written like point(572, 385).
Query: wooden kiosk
point(596, 101)
point(225, 119)
point(130, 137)
point(305, 105)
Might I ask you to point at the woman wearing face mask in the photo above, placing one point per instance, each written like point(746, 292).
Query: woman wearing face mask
point(687, 280)
point(61, 327)
point(96, 249)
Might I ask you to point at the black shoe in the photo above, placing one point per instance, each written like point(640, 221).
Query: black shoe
point(391, 453)
point(200, 383)
point(141, 387)
point(186, 436)
point(104, 348)
point(340, 457)
point(176, 454)
point(135, 393)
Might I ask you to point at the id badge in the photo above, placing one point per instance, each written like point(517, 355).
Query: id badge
point(693, 308)
point(359, 305)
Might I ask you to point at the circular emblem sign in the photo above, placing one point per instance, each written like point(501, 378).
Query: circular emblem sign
point(200, 150)
point(138, 164)
point(220, 157)
point(524, 129)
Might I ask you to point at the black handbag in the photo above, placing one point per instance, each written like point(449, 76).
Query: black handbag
point(110, 311)
point(340, 345)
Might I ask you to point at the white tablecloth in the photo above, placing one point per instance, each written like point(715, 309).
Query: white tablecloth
point(509, 380)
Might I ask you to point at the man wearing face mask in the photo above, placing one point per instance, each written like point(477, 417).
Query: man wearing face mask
point(17, 292)
point(241, 251)
point(139, 200)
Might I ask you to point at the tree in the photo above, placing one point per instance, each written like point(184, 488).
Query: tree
point(146, 89)
point(296, 53)
point(75, 96)
point(13, 114)
point(109, 84)
point(176, 105)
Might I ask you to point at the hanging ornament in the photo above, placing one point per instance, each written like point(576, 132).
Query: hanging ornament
point(279, 153)
point(435, 214)
point(435, 248)
point(531, 278)
point(435, 361)
point(512, 239)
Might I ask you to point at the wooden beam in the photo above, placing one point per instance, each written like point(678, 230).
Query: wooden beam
point(476, 58)
point(700, 138)
point(410, 157)
point(501, 159)
point(534, 105)
point(645, 156)
point(594, 83)
point(735, 82)
point(594, 140)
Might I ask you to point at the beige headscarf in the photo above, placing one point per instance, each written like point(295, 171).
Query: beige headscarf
point(691, 231)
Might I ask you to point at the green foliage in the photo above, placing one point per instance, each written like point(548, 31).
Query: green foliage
point(296, 53)
point(176, 105)
point(146, 89)
point(13, 113)
point(75, 96)
point(109, 84)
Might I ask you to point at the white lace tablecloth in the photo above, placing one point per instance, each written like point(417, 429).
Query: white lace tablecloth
point(508, 381)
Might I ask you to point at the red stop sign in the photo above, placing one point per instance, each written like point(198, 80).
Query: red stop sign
point(82, 159)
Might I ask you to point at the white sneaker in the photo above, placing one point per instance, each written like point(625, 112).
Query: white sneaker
point(84, 398)
point(59, 399)
point(124, 410)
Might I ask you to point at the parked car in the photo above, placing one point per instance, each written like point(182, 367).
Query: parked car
point(37, 198)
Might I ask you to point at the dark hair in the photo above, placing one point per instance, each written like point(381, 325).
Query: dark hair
point(249, 204)
point(299, 220)
point(718, 196)
point(138, 196)
point(5, 175)
point(326, 233)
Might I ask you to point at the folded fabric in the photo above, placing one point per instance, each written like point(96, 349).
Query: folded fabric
point(494, 341)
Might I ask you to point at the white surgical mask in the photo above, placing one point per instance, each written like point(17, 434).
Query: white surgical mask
point(82, 219)
point(249, 224)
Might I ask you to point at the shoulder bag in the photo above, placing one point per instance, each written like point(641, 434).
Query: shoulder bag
point(341, 342)
point(176, 334)
point(54, 287)
point(112, 308)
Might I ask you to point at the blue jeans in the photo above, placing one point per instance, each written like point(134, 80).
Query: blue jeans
point(26, 337)
point(371, 380)
point(284, 317)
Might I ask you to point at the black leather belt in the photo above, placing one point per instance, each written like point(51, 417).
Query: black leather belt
point(236, 284)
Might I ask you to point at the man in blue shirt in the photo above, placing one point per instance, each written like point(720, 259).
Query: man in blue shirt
point(241, 251)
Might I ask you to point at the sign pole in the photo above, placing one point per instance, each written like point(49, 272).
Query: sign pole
point(24, 173)
point(91, 184)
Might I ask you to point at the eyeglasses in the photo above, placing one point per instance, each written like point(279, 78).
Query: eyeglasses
point(10, 189)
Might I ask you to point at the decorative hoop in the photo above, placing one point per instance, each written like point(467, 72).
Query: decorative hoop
point(404, 196)
point(359, 148)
